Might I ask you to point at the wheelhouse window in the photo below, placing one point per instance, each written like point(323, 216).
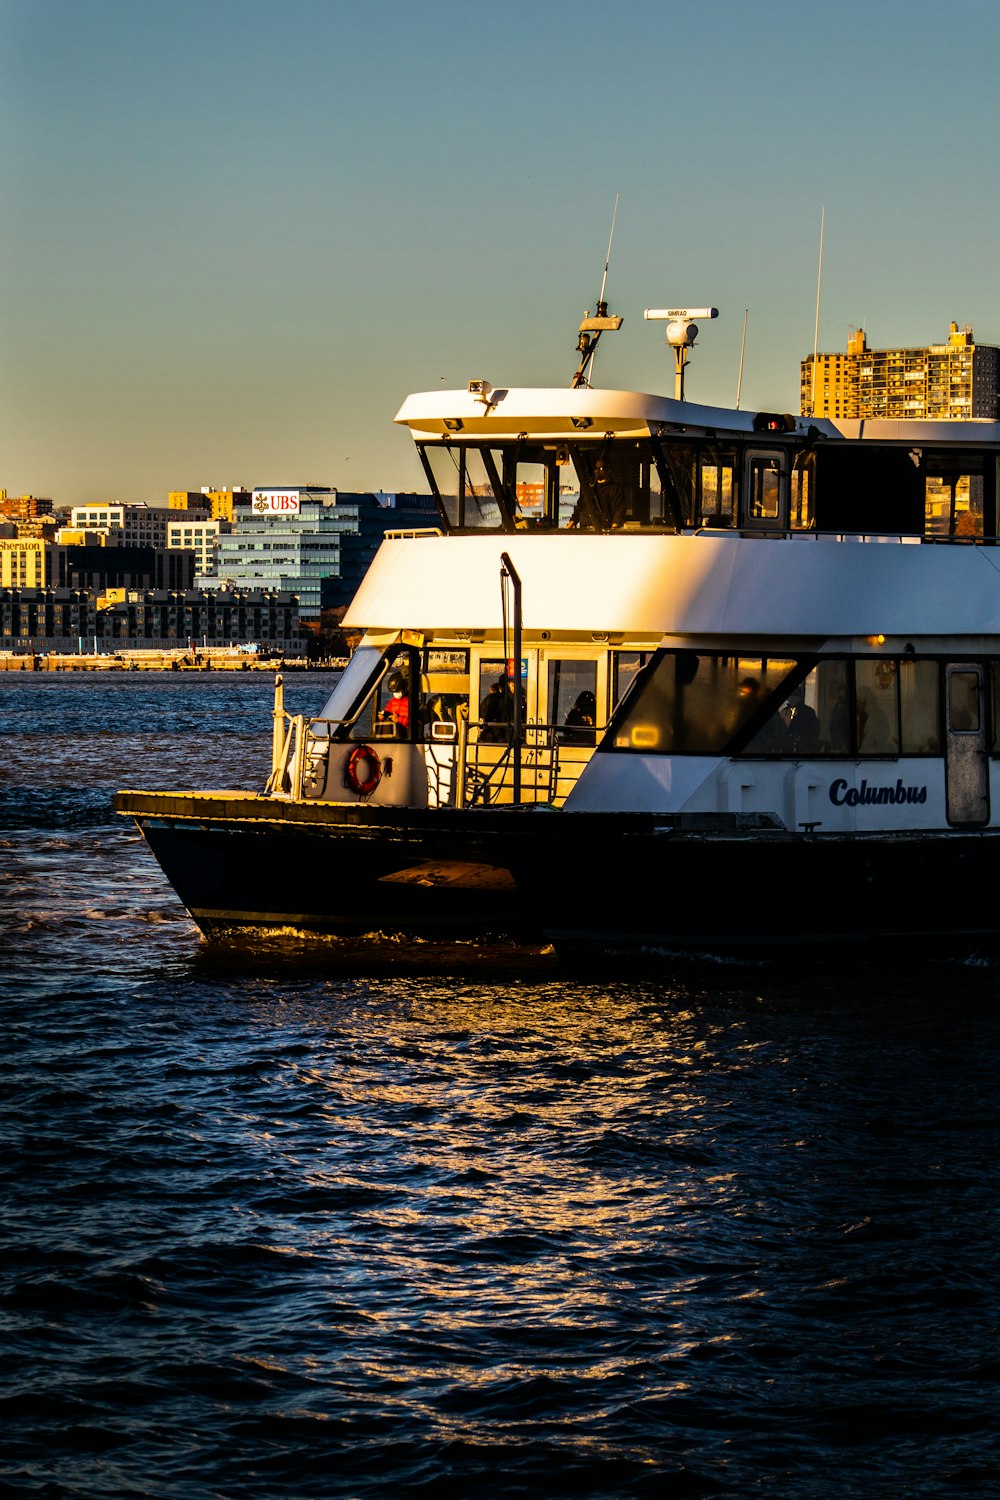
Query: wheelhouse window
point(399, 694)
point(959, 490)
point(604, 484)
point(467, 484)
point(764, 487)
point(717, 489)
point(360, 674)
point(800, 494)
point(444, 693)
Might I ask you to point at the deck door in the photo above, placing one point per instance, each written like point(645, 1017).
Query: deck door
point(967, 765)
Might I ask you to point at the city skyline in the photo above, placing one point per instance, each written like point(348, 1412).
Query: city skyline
point(238, 236)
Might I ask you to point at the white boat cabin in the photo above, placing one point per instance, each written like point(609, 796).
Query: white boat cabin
point(587, 538)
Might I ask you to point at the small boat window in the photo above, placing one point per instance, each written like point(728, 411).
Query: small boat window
point(764, 487)
point(496, 704)
point(995, 700)
point(572, 701)
point(963, 702)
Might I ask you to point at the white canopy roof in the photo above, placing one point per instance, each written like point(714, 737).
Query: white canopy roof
point(686, 584)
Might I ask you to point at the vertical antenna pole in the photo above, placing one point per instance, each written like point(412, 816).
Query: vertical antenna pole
point(607, 258)
point(602, 306)
point(819, 282)
point(743, 347)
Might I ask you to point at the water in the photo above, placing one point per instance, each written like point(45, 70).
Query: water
point(272, 1227)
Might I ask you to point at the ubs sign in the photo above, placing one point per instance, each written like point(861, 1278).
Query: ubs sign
point(276, 502)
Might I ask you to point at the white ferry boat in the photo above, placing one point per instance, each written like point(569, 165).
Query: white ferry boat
point(664, 675)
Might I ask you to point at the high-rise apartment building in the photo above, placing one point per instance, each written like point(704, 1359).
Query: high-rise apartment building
point(24, 507)
point(133, 525)
point(958, 379)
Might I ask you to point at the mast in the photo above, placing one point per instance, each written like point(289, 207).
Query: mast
point(591, 328)
point(819, 282)
point(743, 346)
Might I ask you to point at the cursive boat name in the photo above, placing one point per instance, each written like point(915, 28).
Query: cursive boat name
point(842, 795)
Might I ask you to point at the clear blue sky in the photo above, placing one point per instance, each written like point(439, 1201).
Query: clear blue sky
point(236, 233)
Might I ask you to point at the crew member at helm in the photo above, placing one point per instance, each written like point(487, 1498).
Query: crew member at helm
point(397, 708)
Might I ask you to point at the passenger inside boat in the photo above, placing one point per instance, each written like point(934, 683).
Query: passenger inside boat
point(580, 721)
point(739, 704)
point(801, 724)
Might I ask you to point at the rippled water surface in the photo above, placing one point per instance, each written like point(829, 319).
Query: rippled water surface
point(275, 1226)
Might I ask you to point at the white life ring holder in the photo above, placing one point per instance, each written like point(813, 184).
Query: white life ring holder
point(352, 778)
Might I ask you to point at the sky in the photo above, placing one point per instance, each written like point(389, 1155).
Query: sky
point(237, 233)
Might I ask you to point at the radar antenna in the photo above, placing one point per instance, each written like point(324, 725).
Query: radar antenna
point(592, 327)
point(682, 331)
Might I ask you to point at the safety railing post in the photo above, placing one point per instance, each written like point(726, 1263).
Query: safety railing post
point(278, 727)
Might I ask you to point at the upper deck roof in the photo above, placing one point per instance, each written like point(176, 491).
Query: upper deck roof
point(554, 412)
point(681, 584)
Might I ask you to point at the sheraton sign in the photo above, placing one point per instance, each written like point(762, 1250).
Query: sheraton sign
point(276, 502)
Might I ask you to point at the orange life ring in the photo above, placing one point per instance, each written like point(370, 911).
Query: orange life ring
point(363, 771)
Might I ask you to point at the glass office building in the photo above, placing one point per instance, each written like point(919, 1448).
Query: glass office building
point(318, 547)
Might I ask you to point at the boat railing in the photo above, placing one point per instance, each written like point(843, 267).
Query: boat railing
point(479, 765)
point(550, 758)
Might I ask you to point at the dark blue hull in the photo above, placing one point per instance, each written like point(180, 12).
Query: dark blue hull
point(584, 882)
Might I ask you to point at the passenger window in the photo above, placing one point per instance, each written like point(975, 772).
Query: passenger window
point(833, 702)
point(877, 707)
point(920, 707)
point(625, 665)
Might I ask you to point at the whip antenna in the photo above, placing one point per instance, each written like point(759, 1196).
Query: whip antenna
point(819, 283)
point(604, 279)
point(592, 327)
